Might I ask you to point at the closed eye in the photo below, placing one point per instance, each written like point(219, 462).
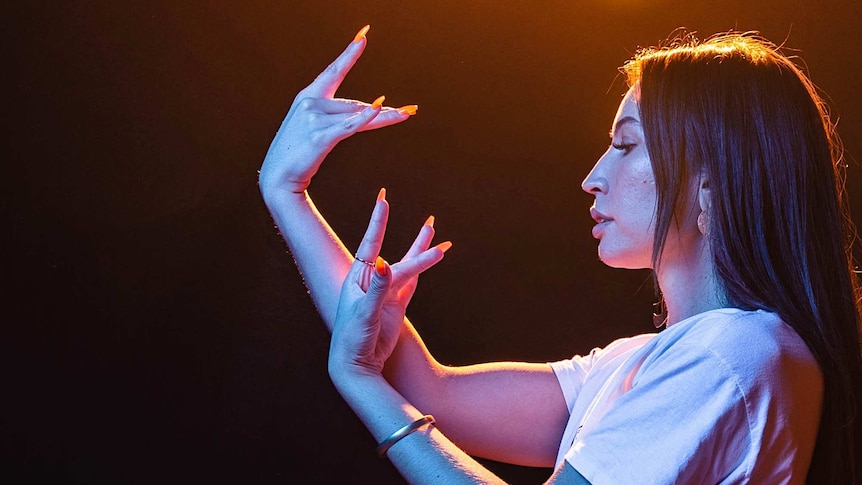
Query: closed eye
point(625, 147)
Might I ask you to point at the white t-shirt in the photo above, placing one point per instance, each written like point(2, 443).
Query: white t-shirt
point(726, 396)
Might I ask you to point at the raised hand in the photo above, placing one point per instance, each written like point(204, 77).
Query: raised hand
point(316, 122)
point(374, 296)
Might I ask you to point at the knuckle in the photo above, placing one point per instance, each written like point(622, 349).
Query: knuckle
point(378, 287)
point(331, 69)
point(306, 103)
point(317, 138)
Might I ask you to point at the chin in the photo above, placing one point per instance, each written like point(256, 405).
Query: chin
point(623, 260)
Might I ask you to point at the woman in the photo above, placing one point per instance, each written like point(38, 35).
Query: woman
point(723, 177)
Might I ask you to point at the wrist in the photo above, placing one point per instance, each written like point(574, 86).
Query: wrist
point(346, 376)
point(281, 196)
point(275, 181)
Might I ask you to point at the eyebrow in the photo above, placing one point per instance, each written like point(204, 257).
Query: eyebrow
point(623, 121)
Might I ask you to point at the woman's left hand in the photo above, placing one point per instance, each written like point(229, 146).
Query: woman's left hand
point(374, 299)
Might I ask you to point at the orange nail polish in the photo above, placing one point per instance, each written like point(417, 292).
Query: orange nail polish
point(378, 102)
point(410, 109)
point(381, 195)
point(361, 34)
point(429, 221)
point(444, 246)
point(380, 266)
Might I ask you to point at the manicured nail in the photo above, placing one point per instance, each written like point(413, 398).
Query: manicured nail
point(430, 221)
point(410, 109)
point(444, 246)
point(361, 34)
point(381, 195)
point(380, 266)
point(378, 102)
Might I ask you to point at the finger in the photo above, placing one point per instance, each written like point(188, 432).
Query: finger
point(338, 110)
point(360, 273)
point(381, 281)
point(349, 126)
point(387, 117)
point(325, 120)
point(322, 121)
point(423, 239)
point(369, 248)
point(411, 268)
point(325, 85)
point(333, 106)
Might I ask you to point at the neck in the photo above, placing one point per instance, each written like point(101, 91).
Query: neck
point(688, 283)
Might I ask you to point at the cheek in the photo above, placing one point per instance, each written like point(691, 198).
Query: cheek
point(639, 175)
point(639, 194)
point(628, 243)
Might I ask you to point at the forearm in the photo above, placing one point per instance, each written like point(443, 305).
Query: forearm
point(321, 257)
point(506, 411)
point(425, 456)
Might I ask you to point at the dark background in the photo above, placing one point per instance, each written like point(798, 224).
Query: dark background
point(154, 327)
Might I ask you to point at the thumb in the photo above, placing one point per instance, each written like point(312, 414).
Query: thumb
point(381, 281)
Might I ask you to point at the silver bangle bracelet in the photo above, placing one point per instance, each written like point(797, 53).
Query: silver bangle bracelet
point(395, 437)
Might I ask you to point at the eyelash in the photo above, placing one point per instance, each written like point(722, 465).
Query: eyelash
point(626, 148)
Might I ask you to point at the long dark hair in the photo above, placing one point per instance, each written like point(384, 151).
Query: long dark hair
point(736, 109)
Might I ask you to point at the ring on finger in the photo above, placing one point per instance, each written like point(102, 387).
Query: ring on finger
point(369, 263)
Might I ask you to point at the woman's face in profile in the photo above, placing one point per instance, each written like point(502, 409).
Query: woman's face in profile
point(623, 184)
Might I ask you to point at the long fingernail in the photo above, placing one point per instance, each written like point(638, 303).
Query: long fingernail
point(381, 195)
point(361, 34)
point(380, 266)
point(378, 102)
point(444, 246)
point(410, 109)
point(430, 221)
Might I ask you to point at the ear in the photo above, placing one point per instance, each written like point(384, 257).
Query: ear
point(704, 197)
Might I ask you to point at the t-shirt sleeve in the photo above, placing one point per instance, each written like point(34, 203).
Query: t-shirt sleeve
point(683, 421)
point(571, 373)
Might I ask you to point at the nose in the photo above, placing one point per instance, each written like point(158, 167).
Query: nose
point(596, 181)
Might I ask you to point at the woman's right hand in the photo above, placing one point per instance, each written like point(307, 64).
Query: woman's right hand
point(374, 297)
point(316, 122)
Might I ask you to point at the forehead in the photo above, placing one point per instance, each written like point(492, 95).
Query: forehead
point(628, 110)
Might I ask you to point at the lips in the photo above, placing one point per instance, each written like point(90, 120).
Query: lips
point(598, 216)
point(601, 222)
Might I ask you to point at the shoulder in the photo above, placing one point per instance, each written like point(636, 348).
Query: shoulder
point(735, 393)
point(618, 348)
point(757, 347)
point(777, 381)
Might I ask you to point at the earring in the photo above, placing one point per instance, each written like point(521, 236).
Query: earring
point(659, 313)
point(702, 223)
